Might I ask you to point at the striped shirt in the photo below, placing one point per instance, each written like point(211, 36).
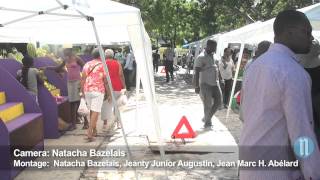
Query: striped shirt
point(277, 110)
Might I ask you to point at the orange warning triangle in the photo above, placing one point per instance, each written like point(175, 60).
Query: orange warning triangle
point(190, 134)
point(163, 70)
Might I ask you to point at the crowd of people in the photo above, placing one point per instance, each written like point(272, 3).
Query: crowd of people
point(280, 94)
point(88, 81)
point(279, 98)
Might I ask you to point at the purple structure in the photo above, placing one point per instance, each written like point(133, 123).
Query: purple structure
point(53, 77)
point(24, 132)
point(47, 103)
point(15, 92)
point(86, 58)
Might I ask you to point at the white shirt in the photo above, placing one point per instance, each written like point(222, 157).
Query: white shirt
point(129, 62)
point(226, 70)
point(276, 109)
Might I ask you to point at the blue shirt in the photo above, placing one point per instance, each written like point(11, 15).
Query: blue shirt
point(276, 109)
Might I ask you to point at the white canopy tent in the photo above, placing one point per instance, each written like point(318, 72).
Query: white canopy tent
point(261, 31)
point(257, 32)
point(83, 22)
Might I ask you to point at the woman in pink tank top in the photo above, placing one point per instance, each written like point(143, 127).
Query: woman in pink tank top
point(73, 65)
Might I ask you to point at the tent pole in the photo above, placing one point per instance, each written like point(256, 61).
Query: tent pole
point(235, 79)
point(154, 105)
point(117, 112)
point(34, 14)
point(137, 96)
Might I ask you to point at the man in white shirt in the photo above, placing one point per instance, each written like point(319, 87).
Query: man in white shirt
point(276, 107)
point(226, 69)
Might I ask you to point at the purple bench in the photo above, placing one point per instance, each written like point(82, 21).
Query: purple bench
point(24, 132)
point(46, 101)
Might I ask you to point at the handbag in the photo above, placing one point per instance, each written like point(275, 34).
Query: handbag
point(122, 99)
point(83, 108)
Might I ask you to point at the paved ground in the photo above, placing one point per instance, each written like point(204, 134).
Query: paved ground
point(175, 99)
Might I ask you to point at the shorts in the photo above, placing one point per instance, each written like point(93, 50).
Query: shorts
point(74, 91)
point(107, 107)
point(94, 100)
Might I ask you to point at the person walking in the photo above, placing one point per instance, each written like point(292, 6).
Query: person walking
point(129, 69)
point(119, 56)
point(169, 57)
point(73, 65)
point(95, 90)
point(118, 83)
point(276, 106)
point(207, 82)
point(226, 69)
point(155, 58)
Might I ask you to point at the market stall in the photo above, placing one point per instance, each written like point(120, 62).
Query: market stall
point(21, 120)
point(53, 106)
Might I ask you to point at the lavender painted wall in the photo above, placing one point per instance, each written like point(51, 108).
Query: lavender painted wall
point(11, 65)
point(50, 112)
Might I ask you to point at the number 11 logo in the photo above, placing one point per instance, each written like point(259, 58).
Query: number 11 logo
point(303, 147)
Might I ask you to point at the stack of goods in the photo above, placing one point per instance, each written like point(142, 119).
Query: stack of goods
point(31, 49)
point(14, 54)
point(55, 92)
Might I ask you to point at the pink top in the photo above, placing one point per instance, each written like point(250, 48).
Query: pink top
point(114, 72)
point(74, 70)
point(95, 75)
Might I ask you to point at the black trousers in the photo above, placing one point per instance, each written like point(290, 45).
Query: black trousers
point(127, 77)
point(227, 91)
point(169, 69)
point(316, 115)
point(155, 65)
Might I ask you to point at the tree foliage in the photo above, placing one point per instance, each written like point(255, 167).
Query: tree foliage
point(178, 20)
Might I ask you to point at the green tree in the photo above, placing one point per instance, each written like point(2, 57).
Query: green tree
point(177, 20)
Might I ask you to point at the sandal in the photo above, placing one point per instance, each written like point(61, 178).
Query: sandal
point(118, 125)
point(72, 127)
point(89, 139)
point(85, 126)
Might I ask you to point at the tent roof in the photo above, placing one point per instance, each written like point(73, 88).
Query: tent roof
point(66, 25)
point(259, 31)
